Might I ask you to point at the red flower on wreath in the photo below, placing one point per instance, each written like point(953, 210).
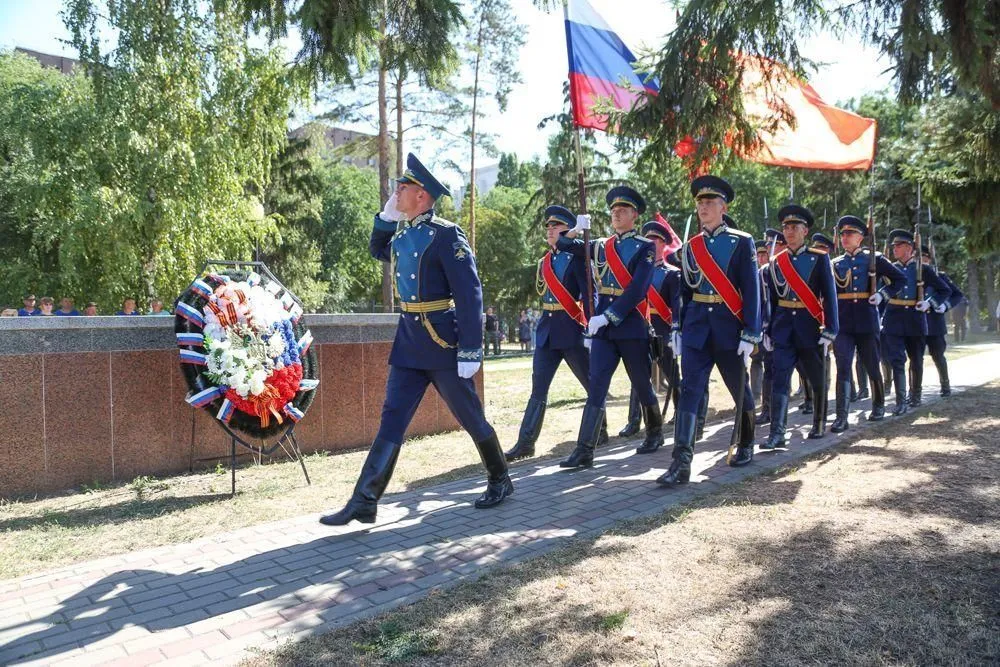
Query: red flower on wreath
point(279, 389)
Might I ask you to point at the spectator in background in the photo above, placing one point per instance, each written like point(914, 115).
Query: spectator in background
point(491, 325)
point(90, 310)
point(998, 316)
point(8, 312)
point(47, 303)
point(156, 309)
point(128, 307)
point(959, 315)
point(533, 319)
point(29, 306)
point(524, 331)
point(66, 307)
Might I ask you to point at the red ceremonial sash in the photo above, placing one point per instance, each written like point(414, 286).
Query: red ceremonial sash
point(795, 281)
point(716, 277)
point(620, 272)
point(559, 291)
point(662, 309)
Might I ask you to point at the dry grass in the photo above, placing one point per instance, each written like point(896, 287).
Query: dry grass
point(885, 550)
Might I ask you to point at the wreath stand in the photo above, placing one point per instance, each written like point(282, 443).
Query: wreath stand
point(288, 437)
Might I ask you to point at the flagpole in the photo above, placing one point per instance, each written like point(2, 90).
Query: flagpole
point(588, 307)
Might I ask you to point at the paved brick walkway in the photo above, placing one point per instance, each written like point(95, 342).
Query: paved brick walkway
point(211, 600)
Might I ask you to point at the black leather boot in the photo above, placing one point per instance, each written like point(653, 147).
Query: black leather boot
point(840, 424)
point(853, 394)
point(819, 413)
point(602, 437)
point(498, 484)
point(779, 417)
point(654, 429)
point(375, 475)
point(942, 369)
point(807, 405)
point(531, 426)
point(634, 415)
point(699, 427)
point(899, 379)
point(878, 399)
point(863, 380)
point(583, 455)
point(680, 467)
point(744, 449)
point(917, 386)
point(887, 376)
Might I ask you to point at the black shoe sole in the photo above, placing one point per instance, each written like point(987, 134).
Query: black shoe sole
point(517, 457)
point(359, 519)
point(508, 492)
point(669, 485)
point(647, 450)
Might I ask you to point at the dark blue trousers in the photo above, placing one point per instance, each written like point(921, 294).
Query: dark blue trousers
point(546, 362)
point(786, 356)
point(696, 367)
point(867, 346)
point(405, 388)
point(898, 348)
point(937, 345)
point(604, 357)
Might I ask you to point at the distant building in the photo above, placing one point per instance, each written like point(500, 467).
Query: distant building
point(486, 178)
point(348, 146)
point(61, 63)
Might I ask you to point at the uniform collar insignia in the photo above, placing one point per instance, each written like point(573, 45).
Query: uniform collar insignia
point(423, 217)
point(626, 235)
point(802, 249)
point(721, 229)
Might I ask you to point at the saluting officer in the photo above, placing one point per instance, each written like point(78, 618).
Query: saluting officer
point(719, 322)
point(904, 326)
point(804, 320)
point(562, 284)
point(937, 323)
point(859, 317)
point(439, 338)
point(619, 330)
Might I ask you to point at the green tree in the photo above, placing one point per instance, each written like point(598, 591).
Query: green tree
point(188, 119)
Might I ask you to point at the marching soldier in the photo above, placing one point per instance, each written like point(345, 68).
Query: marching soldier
point(776, 243)
point(439, 339)
point(562, 284)
point(719, 323)
point(937, 324)
point(761, 391)
point(804, 320)
point(619, 331)
point(664, 298)
point(859, 317)
point(904, 326)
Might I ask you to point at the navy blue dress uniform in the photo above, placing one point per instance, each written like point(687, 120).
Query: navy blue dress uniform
point(905, 328)
point(441, 300)
point(793, 332)
point(859, 320)
point(559, 337)
point(937, 326)
point(761, 391)
point(626, 337)
point(710, 333)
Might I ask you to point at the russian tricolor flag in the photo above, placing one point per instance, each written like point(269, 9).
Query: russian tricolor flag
point(600, 67)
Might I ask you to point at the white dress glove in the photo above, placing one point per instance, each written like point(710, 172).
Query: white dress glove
point(675, 342)
point(941, 308)
point(582, 222)
point(466, 369)
point(826, 343)
point(768, 343)
point(923, 306)
point(745, 350)
point(587, 342)
point(876, 298)
point(389, 212)
point(597, 322)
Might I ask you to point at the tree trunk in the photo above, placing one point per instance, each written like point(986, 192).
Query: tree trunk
point(991, 291)
point(472, 161)
point(401, 77)
point(972, 291)
point(383, 163)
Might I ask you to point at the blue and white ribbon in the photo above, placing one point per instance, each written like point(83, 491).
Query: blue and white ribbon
point(308, 384)
point(190, 313)
point(201, 287)
point(293, 412)
point(305, 342)
point(253, 278)
point(205, 396)
point(226, 411)
point(195, 339)
point(194, 358)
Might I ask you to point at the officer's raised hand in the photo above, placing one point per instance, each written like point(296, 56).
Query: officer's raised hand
point(466, 369)
point(582, 222)
point(923, 306)
point(597, 322)
point(389, 212)
point(876, 298)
